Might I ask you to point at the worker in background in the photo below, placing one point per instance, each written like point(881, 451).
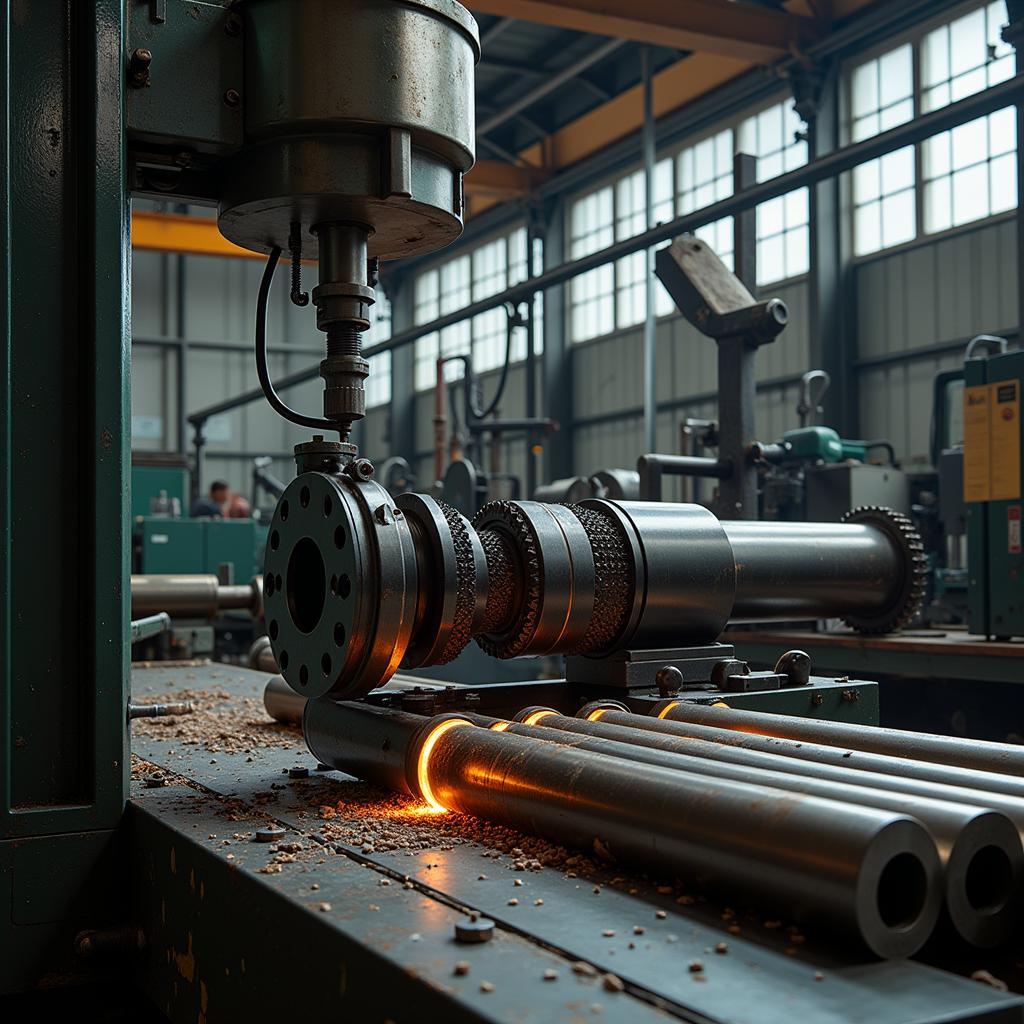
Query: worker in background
point(213, 505)
point(238, 507)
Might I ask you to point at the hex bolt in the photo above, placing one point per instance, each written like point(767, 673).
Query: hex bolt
point(138, 67)
point(269, 834)
point(298, 772)
point(474, 929)
point(669, 680)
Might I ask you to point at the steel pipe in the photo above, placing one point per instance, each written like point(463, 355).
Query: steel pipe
point(812, 570)
point(921, 746)
point(282, 703)
point(872, 874)
point(980, 849)
point(199, 596)
point(844, 757)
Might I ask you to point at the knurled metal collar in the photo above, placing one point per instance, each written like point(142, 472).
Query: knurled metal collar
point(456, 573)
point(508, 517)
point(913, 577)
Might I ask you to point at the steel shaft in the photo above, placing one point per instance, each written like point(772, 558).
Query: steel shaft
point(199, 596)
point(920, 746)
point(980, 848)
point(844, 757)
point(873, 875)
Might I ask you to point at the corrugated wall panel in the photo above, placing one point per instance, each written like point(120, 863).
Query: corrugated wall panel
point(918, 298)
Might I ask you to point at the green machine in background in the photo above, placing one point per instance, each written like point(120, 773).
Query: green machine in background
point(992, 472)
point(158, 483)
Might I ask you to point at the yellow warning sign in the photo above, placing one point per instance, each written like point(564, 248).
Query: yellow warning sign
point(1004, 439)
point(977, 473)
point(992, 441)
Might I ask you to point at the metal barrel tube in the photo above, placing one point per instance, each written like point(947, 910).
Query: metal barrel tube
point(920, 746)
point(151, 625)
point(980, 849)
point(195, 596)
point(812, 570)
point(845, 757)
point(871, 874)
point(763, 760)
point(282, 703)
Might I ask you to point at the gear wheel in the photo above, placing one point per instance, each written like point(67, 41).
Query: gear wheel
point(900, 529)
point(465, 570)
point(509, 518)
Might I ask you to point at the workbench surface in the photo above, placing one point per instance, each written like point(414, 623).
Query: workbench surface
point(354, 906)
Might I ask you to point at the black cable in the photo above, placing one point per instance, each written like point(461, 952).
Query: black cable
point(262, 370)
point(511, 323)
point(882, 443)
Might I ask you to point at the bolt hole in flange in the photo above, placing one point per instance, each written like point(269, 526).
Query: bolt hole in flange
point(989, 880)
point(268, 584)
point(339, 635)
point(273, 629)
point(304, 497)
point(283, 661)
point(328, 506)
point(339, 537)
point(303, 675)
point(307, 585)
point(283, 510)
point(325, 664)
point(275, 540)
point(902, 891)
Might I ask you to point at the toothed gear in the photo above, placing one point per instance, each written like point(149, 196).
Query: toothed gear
point(614, 571)
point(509, 518)
point(900, 529)
point(465, 585)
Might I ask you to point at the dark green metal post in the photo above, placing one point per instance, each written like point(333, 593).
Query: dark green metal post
point(63, 495)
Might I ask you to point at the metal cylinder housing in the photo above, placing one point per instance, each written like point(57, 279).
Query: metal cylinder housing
point(417, 581)
point(356, 111)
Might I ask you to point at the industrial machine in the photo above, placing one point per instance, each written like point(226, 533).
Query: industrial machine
point(347, 161)
point(978, 453)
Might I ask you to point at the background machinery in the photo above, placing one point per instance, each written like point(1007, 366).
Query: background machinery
point(348, 162)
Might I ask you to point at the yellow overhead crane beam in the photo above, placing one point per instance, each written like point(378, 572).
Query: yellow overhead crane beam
point(489, 180)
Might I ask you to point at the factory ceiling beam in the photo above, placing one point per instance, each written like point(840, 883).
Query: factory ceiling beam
point(550, 85)
point(719, 27)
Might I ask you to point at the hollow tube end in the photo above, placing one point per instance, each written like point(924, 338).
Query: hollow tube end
point(984, 877)
point(899, 890)
point(596, 708)
point(533, 714)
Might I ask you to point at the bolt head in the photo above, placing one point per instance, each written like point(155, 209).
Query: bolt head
point(474, 929)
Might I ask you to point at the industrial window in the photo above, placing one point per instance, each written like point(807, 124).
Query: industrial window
point(881, 97)
point(484, 271)
point(705, 177)
point(970, 171)
point(630, 220)
point(378, 384)
point(776, 136)
point(965, 174)
point(615, 296)
point(592, 295)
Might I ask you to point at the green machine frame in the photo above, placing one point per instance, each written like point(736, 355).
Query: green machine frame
point(994, 550)
point(64, 406)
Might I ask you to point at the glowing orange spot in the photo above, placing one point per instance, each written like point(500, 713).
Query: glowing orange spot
point(597, 714)
point(423, 767)
point(720, 704)
point(535, 716)
point(668, 707)
point(500, 726)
